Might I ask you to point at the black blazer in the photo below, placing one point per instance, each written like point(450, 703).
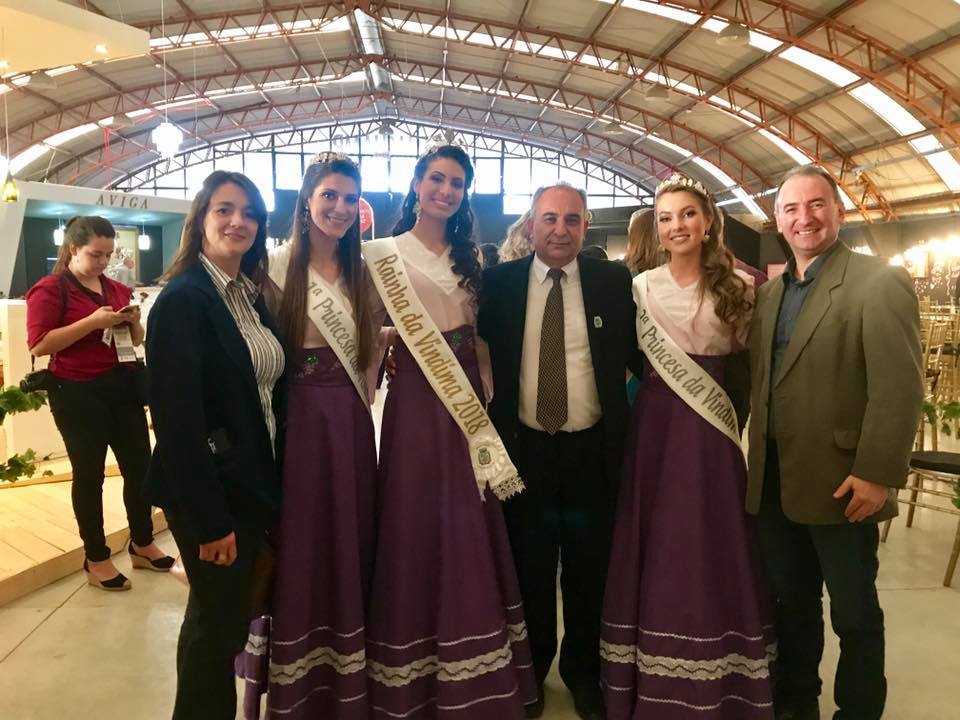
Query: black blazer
point(611, 328)
point(213, 460)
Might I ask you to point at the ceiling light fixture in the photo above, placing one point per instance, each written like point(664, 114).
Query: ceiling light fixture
point(59, 233)
point(118, 121)
point(734, 35)
point(41, 81)
point(9, 193)
point(656, 92)
point(101, 49)
point(167, 137)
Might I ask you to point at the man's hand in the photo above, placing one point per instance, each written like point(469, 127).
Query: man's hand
point(220, 552)
point(867, 498)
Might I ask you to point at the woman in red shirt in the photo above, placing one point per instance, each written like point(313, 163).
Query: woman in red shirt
point(84, 321)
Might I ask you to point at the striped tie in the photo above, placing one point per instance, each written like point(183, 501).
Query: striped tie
point(552, 374)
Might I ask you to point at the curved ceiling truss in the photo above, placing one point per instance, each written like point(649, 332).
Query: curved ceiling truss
point(411, 85)
point(425, 132)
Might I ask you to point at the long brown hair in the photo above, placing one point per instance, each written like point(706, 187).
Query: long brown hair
point(463, 250)
point(291, 317)
point(254, 261)
point(643, 246)
point(78, 231)
point(730, 292)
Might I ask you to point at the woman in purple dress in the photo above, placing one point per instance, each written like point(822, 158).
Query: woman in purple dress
point(685, 632)
point(310, 654)
point(446, 636)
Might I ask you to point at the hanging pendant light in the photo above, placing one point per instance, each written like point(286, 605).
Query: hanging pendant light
point(59, 233)
point(143, 240)
point(9, 192)
point(167, 137)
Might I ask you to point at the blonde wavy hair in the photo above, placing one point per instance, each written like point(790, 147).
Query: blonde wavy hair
point(517, 244)
point(732, 295)
point(643, 247)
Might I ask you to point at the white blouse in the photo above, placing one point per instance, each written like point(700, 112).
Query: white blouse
point(690, 319)
point(436, 284)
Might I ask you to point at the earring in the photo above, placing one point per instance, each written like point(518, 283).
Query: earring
point(417, 210)
point(305, 221)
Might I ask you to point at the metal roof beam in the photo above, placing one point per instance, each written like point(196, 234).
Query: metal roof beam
point(643, 167)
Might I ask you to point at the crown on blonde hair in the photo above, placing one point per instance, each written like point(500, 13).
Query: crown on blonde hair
point(678, 182)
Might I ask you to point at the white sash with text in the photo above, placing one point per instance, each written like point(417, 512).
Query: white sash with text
point(327, 312)
point(491, 464)
point(680, 372)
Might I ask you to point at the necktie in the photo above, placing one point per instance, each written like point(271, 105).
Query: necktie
point(552, 373)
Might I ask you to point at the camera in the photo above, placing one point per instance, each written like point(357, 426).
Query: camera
point(38, 381)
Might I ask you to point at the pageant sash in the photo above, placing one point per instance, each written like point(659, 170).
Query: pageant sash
point(680, 372)
point(491, 464)
point(325, 310)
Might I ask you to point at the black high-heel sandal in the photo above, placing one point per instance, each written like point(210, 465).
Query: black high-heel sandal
point(140, 562)
point(117, 583)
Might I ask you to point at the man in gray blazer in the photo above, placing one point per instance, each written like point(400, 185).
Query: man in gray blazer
point(836, 399)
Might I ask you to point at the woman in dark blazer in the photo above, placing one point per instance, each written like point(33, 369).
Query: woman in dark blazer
point(215, 367)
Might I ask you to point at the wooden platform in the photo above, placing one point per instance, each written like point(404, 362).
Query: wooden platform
point(60, 470)
point(39, 541)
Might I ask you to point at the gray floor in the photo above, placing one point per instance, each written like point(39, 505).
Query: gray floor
point(72, 651)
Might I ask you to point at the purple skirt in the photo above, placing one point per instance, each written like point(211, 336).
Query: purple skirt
point(686, 631)
point(446, 636)
point(310, 656)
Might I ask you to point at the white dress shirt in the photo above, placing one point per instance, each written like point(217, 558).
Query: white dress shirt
point(266, 353)
point(583, 402)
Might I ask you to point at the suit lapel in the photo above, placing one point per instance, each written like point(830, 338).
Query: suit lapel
point(516, 304)
point(225, 328)
point(814, 308)
point(768, 325)
point(590, 285)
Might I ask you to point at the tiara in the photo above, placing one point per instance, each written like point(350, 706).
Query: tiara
point(680, 182)
point(444, 139)
point(328, 156)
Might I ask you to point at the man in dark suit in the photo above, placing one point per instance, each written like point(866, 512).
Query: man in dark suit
point(837, 390)
point(560, 331)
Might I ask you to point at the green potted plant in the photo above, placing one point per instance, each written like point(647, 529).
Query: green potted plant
point(943, 417)
point(14, 400)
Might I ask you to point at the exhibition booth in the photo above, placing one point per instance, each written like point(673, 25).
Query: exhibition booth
point(38, 534)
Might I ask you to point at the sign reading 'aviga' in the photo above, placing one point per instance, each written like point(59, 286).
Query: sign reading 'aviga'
point(123, 201)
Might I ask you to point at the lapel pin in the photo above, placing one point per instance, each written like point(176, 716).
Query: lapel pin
point(597, 321)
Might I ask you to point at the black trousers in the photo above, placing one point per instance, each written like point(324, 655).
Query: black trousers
point(215, 624)
point(90, 416)
point(564, 516)
point(799, 559)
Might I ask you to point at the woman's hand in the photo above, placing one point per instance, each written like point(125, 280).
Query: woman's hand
point(220, 552)
point(130, 314)
point(105, 317)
